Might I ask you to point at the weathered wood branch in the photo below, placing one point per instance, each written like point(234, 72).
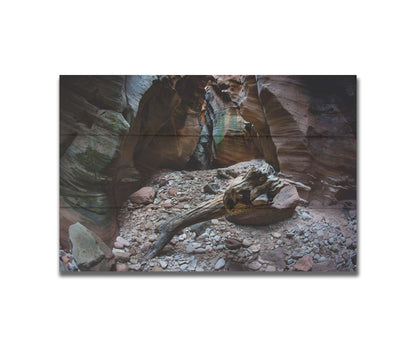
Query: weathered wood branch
point(254, 189)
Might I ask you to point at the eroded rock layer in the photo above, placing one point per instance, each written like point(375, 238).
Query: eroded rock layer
point(116, 130)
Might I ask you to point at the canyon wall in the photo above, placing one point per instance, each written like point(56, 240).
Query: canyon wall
point(115, 131)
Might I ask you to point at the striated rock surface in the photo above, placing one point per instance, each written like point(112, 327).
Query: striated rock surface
point(226, 138)
point(312, 122)
point(114, 130)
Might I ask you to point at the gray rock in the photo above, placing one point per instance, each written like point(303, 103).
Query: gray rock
point(219, 264)
point(254, 249)
point(211, 188)
point(247, 243)
point(124, 242)
point(163, 264)
point(183, 267)
point(255, 265)
point(199, 228)
point(89, 251)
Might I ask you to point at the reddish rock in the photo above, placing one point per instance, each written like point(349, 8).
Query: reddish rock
point(180, 205)
point(65, 259)
point(132, 251)
point(304, 264)
point(167, 205)
point(163, 196)
point(122, 267)
point(144, 195)
point(173, 191)
point(149, 207)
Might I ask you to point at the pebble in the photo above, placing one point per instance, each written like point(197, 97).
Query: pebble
point(163, 264)
point(255, 265)
point(123, 241)
point(219, 264)
point(118, 245)
point(247, 243)
point(254, 249)
point(276, 234)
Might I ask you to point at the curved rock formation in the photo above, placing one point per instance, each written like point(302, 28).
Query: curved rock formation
point(312, 122)
point(113, 131)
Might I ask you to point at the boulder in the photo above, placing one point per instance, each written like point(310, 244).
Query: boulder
point(89, 251)
point(283, 206)
point(144, 195)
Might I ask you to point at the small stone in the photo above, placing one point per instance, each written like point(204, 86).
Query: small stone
point(305, 264)
point(211, 188)
point(270, 268)
point(180, 205)
point(255, 265)
point(173, 191)
point(183, 267)
point(214, 221)
point(118, 245)
point(233, 244)
point(132, 251)
point(65, 259)
point(124, 242)
point(321, 259)
point(186, 206)
point(167, 205)
point(163, 196)
point(122, 267)
point(254, 249)
point(276, 234)
point(290, 234)
point(148, 225)
point(297, 255)
point(247, 243)
point(219, 264)
point(121, 255)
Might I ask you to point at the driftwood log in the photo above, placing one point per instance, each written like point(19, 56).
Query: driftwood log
point(254, 189)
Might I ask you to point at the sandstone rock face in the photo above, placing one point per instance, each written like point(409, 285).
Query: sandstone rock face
point(226, 138)
point(114, 130)
point(89, 251)
point(283, 206)
point(312, 122)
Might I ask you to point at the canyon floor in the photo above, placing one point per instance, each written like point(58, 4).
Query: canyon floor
point(315, 238)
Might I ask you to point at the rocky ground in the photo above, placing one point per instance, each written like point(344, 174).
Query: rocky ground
point(313, 239)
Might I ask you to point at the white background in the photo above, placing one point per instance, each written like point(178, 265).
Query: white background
point(42, 39)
